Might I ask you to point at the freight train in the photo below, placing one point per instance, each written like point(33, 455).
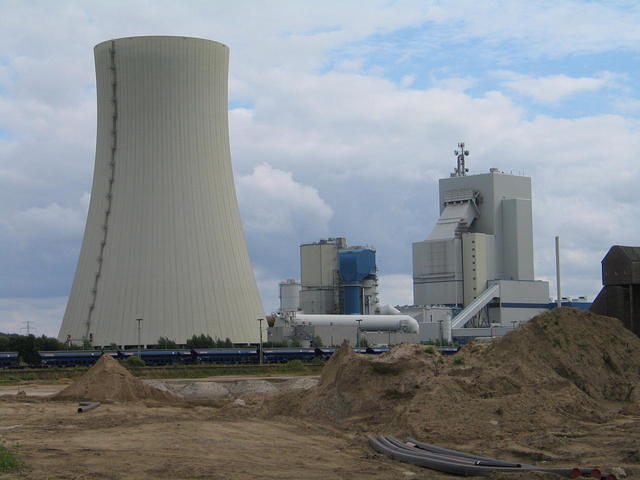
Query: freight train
point(194, 356)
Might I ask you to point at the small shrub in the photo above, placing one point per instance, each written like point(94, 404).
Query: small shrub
point(458, 361)
point(134, 362)
point(429, 350)
point(8, 461)
point(295, 365)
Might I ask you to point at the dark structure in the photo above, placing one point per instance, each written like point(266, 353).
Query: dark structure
point(620, 294)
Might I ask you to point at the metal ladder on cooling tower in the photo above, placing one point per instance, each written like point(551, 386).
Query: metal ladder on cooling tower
point(474, 307)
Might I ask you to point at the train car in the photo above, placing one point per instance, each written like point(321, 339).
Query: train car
point(225, 355)
point(9, 360)
point(71, 358)
point(377, 350)
point(325, 353)
point(448, 350)
point(284, 355)
point(157, 357)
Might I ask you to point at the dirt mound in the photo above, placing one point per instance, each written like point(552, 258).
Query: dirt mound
point(562, 367)
point(108, 381)
point(595, 353)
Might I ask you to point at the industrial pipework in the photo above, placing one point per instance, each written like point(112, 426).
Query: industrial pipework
point(366, 323)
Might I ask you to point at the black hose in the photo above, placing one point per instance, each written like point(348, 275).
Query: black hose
point(434, 448)
point(585, 472)
point(446, 451)
point(453, 464)
point(468, 460)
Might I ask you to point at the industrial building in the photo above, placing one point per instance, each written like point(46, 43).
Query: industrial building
point(478, 259)
point(620, 294)
point(473, 275)
point(163, 252)
point(337, 279)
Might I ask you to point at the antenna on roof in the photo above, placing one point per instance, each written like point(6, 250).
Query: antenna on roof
point(460, 171)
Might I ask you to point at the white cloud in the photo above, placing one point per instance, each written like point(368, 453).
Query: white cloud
point(274, 202)
point(552, 88)
point(52, 221)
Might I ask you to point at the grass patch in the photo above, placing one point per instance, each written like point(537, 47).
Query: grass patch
point(458, 361)
point(429, 350)
point(201, 371)
point(8, 460)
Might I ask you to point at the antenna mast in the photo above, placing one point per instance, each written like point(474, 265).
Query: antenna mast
point(460, 170)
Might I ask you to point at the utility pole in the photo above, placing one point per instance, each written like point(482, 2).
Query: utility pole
point(558, 271)
point(260, 323)
point(139, 320)
point(358, 332)
point(28, 327)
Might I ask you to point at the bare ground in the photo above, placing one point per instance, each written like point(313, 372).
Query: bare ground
point(138, 441)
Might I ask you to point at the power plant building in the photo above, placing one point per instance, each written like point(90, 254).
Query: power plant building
point(478, 259)
point(337, 279)
point(163, 240)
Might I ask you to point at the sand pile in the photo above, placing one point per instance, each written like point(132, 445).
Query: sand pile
point(564, 366)
point(108, 381)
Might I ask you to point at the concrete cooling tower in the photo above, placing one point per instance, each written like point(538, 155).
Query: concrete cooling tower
point(163, 240)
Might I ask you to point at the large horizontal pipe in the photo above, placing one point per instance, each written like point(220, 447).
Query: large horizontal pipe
point(367, 323)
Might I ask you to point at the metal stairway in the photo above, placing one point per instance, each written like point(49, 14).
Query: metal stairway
point(474, 307)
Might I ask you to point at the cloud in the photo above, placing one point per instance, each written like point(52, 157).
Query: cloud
point(52, 221)
point(275, 203)
point(553, 88)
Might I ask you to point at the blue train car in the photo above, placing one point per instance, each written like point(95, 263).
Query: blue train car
point(284, 355)
point(325, 352)
point(225, 355)
point(8, 359)
point(448, 350)
point(71, 358)
point(156, 357)
point(377, 350)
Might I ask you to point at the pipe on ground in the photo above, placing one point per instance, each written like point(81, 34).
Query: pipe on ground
point(460, 463)
point(86, 406)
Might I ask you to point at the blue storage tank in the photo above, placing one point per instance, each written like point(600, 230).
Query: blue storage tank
point(355, 266)
point(352, 300)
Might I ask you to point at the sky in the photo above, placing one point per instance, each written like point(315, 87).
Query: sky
point(342, 117)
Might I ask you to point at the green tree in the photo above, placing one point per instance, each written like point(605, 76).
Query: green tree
point(201, 341)
point(134, 361)
point(4, 342)
point(165, 342)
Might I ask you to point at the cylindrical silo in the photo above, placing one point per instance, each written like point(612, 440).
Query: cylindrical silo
point(163, 240)
point(290, 295)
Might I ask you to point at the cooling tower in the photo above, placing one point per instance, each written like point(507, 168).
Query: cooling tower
point(163, 240)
